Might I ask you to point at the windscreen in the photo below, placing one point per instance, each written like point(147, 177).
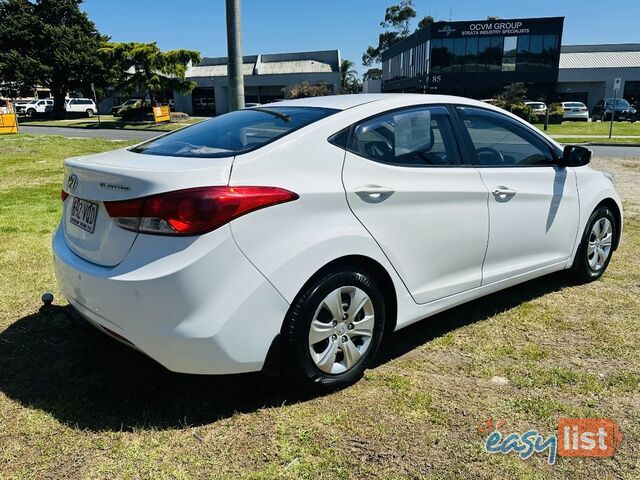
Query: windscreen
point(619, 103)
point(234, 133)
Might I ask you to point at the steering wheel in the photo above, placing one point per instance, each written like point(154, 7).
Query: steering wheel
point(490, 151)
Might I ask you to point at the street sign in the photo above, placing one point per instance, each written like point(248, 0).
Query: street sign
point(617, 83)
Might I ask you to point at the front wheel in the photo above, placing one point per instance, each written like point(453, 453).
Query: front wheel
point(594, 253)
point(333, 330)
point(31, 112)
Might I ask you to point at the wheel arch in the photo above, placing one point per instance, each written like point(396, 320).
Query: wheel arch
point(612, 205)
point(373, 268)
point(272, 364)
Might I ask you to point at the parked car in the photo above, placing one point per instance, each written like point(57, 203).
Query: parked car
point(604, 109)
point(115, 111)
point(37, 106)
point(293, 237)
point(19, 104)
point(80, 105)
point(539, 108)
point(575, 111)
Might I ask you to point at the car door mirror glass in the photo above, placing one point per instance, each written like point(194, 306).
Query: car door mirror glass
point(575, 156)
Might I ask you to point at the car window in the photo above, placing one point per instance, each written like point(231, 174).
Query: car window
point(416, 137)
point(573, 105)
point(234, 133)
point(619, 103)
point(500, 141)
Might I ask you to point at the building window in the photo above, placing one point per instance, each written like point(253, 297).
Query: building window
point(447, 54)
point(509, 54)
point(484, 52)
point(471, 55)
point(495, 59)
point(436, 55)
point(537, 52)
point(457, 60)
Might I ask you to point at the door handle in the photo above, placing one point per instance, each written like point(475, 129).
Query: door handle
point(503, 192)
point(375, 191)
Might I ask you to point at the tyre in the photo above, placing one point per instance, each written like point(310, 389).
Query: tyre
point(31, 112)
point(89, 112)
point(596, 248)
point(333, 330)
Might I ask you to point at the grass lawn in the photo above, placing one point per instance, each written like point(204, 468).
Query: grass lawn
point(592, 128)
point(108, 121)
point(75, 404)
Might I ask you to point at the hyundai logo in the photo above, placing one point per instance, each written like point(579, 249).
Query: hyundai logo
point(72, 182)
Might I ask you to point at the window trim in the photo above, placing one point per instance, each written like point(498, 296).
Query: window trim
point(446, 111)
point(472, 149)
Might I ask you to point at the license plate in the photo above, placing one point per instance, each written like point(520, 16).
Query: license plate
point(84, 214)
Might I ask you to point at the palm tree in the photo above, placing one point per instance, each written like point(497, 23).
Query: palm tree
point(348, 77)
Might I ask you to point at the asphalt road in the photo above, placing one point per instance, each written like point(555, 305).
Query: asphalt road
point(609, 151)
point(112, 134)
point(616, 152)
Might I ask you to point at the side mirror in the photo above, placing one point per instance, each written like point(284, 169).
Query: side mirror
point(575, 156)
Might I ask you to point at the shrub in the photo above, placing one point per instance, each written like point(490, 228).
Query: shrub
point(305, 89)
point(137, 111)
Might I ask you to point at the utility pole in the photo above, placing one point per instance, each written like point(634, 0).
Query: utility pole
point(234, 52)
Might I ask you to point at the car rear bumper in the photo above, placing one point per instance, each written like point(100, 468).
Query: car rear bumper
point(195, 304)
point(576, 116)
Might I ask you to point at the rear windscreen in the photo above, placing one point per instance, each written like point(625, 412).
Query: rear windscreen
point(234, 133)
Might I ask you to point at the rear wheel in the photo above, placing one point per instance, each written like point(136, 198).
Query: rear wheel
point(89, 112)
point(594, 253)
point(333, 330)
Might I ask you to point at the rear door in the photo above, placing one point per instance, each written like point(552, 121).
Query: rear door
point(533, 203)
point(406, 184)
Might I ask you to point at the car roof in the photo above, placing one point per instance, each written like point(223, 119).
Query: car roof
point(344, 102)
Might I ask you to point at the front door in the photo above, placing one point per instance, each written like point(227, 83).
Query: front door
point(405, 183)
point(533, 203)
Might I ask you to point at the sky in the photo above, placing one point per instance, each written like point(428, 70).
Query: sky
point(274, 26)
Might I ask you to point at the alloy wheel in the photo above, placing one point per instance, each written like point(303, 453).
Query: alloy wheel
point(599, 246)
point(341, 329)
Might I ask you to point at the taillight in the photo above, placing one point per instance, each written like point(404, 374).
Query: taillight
point(193, 211)
point(63, 195)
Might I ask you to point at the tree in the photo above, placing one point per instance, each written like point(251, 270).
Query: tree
point(425, 22)
point(396, 23)
point(373, 74)
point(348, 77)
point(50, 43)
point(305, 89)
point(514, 93)
point(143, 67)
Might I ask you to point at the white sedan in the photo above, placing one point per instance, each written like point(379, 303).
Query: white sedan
point(575, 111)
point(292, 237)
